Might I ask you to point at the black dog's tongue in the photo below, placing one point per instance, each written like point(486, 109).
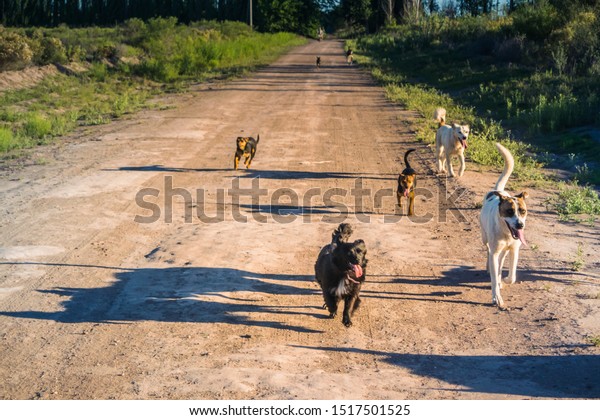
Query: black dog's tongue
point(358, 271)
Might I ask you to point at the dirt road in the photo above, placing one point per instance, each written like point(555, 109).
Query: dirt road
point(107, 291)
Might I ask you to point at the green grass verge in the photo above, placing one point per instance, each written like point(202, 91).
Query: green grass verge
point(128, 65)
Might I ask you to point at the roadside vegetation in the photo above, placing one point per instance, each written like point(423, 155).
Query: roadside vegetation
point(529, 80)
point(109, 72)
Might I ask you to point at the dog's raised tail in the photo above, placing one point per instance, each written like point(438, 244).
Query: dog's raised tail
point(408, 152)
point(257, 138)
point(439, 115)
point(342, 233)
point(509, 164)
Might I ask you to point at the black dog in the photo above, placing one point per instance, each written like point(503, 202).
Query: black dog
point(340, 270)
point(318, 62)
point(246, 147)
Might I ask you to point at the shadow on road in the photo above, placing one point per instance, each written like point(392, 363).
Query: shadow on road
point(576, 376)
point(185, 294)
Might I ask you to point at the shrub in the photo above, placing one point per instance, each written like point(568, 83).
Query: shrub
point(52, 51)
point(536, 21)
point(15, 52)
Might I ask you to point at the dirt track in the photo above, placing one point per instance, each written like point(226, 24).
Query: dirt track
point(94, 305)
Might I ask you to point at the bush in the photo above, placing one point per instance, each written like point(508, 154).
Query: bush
point(52, 51)
point(536, 21)
point(15, 52)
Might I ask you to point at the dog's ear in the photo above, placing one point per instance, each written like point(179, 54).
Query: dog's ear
point(524, 195)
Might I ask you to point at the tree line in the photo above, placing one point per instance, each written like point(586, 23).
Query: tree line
point(300, 16)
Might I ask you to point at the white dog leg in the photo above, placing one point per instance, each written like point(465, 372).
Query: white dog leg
point(514, 259)
point(503, 255)
point(461, 171)
point(494, 259)
point(439, 150)
point(449, 163)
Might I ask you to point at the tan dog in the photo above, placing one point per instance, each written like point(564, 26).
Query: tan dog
point(407, 182)
point(450, 140)
point(502, 228)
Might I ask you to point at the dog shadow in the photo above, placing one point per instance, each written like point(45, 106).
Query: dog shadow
point(183, 294)
point(463, 276)
point(560, 376)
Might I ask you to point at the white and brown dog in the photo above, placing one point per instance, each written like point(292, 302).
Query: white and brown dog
point(502, 228)
point(450, 140)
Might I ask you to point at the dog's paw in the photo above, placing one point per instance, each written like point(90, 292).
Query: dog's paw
point(508, 280)
point(347, 323)
point(499, 302)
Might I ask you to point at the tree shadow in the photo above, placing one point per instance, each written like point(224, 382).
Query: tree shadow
point(575, 376)
point(183, 294)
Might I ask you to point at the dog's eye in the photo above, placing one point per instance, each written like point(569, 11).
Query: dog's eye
point(522, 211)
point(510, 212)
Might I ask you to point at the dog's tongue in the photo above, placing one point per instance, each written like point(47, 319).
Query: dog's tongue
point(358, 271)
point(406, 193)
point(464, 143)
point(521, 236)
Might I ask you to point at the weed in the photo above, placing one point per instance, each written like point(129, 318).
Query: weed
point(579, 261)
point(574, 199)
point(37, 126)
point(595, 340)
point(6, 140)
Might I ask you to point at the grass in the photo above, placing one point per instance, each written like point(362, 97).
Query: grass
point(573, 199)
point(595, 340)
point(126, 66)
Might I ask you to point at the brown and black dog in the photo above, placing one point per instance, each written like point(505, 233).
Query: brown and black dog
point(246, 147)
point(407, 182)
point(318, 61)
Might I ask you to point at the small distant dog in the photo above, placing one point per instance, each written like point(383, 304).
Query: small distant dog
point(349, 56)
point(407, 182)
point(450, 140)
point(318, 62)
point(246, 147)
point(502, 228)
point(340, 270)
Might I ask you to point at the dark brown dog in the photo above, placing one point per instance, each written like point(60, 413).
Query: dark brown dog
point(246, 147)
point(340, 270)
point(407, 182)
point(318, 62)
